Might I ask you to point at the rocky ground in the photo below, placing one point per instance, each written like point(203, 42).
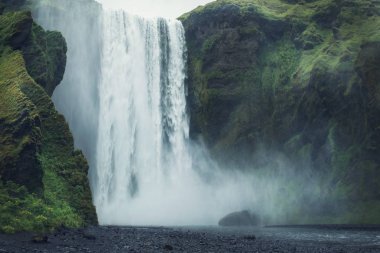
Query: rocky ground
point(198, 239)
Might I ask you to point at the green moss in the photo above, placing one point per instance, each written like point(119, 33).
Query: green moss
point(210, 43)
point(19, 134)
point(15, 28)
point(63, 201)
point(271, 9)
point(311, 37)
point(306, 86)
point(45, 57)
point(21, 211)
point(279, 62)
point(43, 179)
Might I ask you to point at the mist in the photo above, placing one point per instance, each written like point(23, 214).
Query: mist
point(144, 169)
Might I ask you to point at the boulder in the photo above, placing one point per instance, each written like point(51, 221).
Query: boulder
point(239, 219)
point(40, 239)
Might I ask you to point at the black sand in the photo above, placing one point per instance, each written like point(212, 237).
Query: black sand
point(318, 239)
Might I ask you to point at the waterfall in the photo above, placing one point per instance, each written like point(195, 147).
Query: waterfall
point(143, 125)
point(124, 97)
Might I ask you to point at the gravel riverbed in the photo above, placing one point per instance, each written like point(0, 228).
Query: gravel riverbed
point(199, 239)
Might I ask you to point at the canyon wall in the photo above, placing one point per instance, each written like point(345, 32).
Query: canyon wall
point(296, 79)
point(44, 181)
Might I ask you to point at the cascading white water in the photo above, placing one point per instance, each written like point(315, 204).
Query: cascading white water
point(143, 126)
point(123, 95)
point(144, 170)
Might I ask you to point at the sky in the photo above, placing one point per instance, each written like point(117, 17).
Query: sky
point(155, 8)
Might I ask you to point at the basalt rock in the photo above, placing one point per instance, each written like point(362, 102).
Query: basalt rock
point(11, 5)
point(43, 180)
point(239, 219)
point(45, 57)
point(299, 78)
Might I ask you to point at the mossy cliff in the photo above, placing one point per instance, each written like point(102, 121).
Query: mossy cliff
point(43, 180)
point(297, 77)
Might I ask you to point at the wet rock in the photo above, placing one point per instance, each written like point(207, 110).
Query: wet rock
point(243, 218)
point(89, 236)
point(233, 58)
point(89, 233)
point(250, 237)
point(168, 247)
point(327, 14)
point(40, 239)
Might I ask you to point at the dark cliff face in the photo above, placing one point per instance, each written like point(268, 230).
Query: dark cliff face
point(48, 70)
point(300, 78)
point(43, 180)
point(11, 5)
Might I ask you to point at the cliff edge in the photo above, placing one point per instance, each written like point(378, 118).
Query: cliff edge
point(43, 180)
point(297, 78)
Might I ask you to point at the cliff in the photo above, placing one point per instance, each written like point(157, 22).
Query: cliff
point(296, 78)
point(43, 180)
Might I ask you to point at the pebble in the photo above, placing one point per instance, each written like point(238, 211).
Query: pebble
point(130, 239)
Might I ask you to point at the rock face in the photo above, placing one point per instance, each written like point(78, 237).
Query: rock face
point(45, 57)
point(11, 5)
point(296, 77)
point(43, 180)
point(239, 219)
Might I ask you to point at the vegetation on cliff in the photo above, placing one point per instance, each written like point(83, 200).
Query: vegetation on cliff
point(43, 180)
point(297, 77)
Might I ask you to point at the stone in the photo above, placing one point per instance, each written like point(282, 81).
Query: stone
point(168, 247)
point(40, 239)
point(239, 219)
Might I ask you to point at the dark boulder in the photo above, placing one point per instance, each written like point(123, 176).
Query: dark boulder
point(243, 218)
point(168, 247)
point(40, 239)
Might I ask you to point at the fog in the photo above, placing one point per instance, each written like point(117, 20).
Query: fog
point(125, 103)
point(155, 8)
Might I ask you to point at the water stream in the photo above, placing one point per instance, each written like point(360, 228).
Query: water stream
point(124, 97)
